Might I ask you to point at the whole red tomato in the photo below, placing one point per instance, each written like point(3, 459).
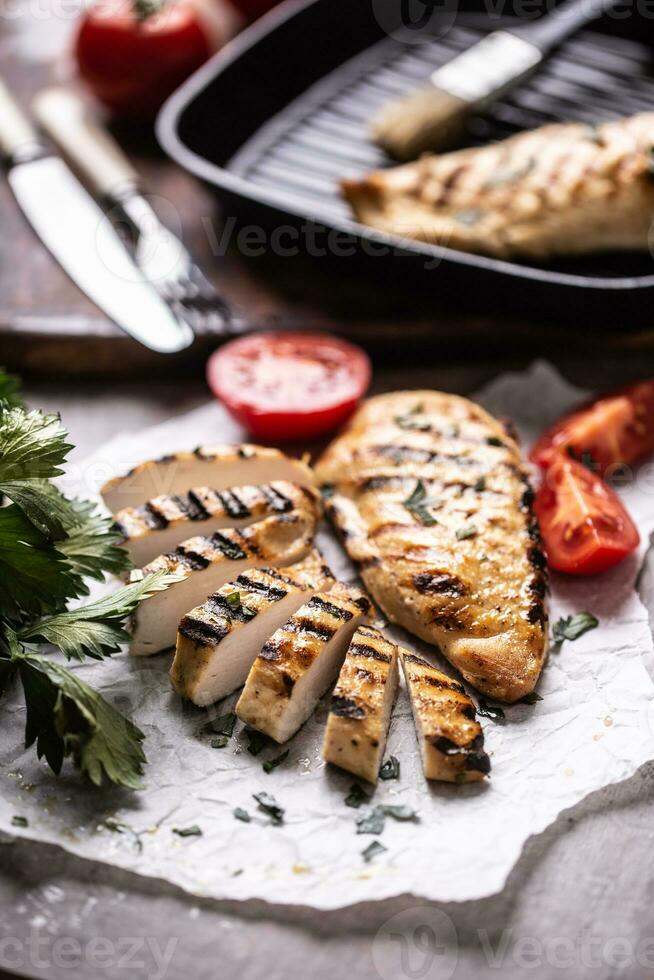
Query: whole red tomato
point(134, 53)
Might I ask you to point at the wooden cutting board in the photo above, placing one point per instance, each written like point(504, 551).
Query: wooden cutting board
point(48, 327)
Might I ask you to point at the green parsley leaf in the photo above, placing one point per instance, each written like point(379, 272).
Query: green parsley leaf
point(372, 822)
point(572, 627)
point(193, 831)
point(269, 805)
point(373, 850)
point(92, 545)
point(327, 491)
point(32, 446)
point(356, 796)
point(34, 576)
point(390, 769)
point(118, 827)
point(242, 814)
point(18, 821)
point(66, 717)
point(9, 391)
point(43, 504)
point(532, 698)
point(256, 740)
point(463, 533)
point(219, 742)
point(486, 710)
point(96, 630)
point(417, 504)
point(277, 761)
point(402, 813)
point(223, 725)
point(233, 600)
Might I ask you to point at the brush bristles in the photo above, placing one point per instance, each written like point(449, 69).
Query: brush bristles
point(427, 119)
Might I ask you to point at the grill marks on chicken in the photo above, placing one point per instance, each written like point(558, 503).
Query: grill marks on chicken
point(361, 705)
point(449, 736)
point(561, 189)
point(443, 534)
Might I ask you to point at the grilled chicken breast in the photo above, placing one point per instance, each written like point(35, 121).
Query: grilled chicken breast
point(207, 563)
point(218, 641)
point(560, 190)
point(158, 525)
point(300, 660)
point(432, 501)
point(219, 467)
point(449, 736)
point(361, 705)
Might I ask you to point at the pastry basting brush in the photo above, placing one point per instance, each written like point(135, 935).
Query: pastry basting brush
point(433, 117)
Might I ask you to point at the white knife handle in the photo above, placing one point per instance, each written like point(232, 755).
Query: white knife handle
point(90, 149)
point(16, 131)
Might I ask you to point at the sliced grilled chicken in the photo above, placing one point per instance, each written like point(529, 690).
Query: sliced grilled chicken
point(218, 641)
point(219, 467)
point(562, 189)
point(158, 525)
point(450, 738)
point(361, 705)
point(208, 563)
point(300, 660)
point(432, 501)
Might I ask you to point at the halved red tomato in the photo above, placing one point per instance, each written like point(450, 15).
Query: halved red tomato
point(584, 525)
point(617, 428)
point(289, 386)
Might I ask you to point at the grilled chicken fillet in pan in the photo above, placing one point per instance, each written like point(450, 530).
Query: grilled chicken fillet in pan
point(430, 497)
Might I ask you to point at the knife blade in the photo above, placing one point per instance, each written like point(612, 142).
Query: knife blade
point(81, 238)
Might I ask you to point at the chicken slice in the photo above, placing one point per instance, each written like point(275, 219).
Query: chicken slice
point(361, 705)
point(160, 524)
point(300, 660)
point(206, 564)
point(218, 641)
point(450, 738)
point(219, 467)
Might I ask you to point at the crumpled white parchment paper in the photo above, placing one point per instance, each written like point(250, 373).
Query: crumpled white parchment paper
point(593, 727)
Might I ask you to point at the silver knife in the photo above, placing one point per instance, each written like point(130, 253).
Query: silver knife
point(72, 226)
point(160, 255)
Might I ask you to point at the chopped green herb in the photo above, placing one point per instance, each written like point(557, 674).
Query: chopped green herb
point(417, 504)
point(390, 769)
point(481, 483)
point(248, 612)
point(193, 831)
point(484, 558)
point(373, 850)
point(256, 740)
point(117, 827)
point(409, 421)
point(530, 698)
point(242, 814)
point(356, 796)
point(219, 742)
point(494, 441)
point(372, 822)
point(223, 725)
point(402, 813)
point(269, 805)
point(19, 821)
point(572, 627)
point(486, 710)
point(469, 531)
point(233, 600)
point(327, 491)
point(277, 761)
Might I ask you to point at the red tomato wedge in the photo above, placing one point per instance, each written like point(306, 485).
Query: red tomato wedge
point(289, 386)
point(615, 429)
point(584, 525)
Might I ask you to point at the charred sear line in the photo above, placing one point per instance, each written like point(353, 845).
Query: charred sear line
point(260, 588)
point(190, 558)
point(363, 603)
point(195, 508)
point(363, 650)
point(379, 483)
point(274, 573)
point(302, 625)
point(474, 755)
point(277, 501)
point(271, 650)
point(536, 558)
point(202, 633)
point(443, 685)
point(536, 612)
point(153, 516)
point(346, 708)
point(228, 547)
point(412, 454)
point(447, 620)
point(219, 606)
point(329, 607)
point(439, 583)
point(233, 504)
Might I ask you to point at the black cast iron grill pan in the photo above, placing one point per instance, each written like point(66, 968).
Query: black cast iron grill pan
point(280, 116)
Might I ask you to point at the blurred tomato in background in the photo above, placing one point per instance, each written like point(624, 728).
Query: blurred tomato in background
point(133, 55)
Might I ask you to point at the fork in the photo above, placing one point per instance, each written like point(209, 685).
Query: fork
point(160, 255)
